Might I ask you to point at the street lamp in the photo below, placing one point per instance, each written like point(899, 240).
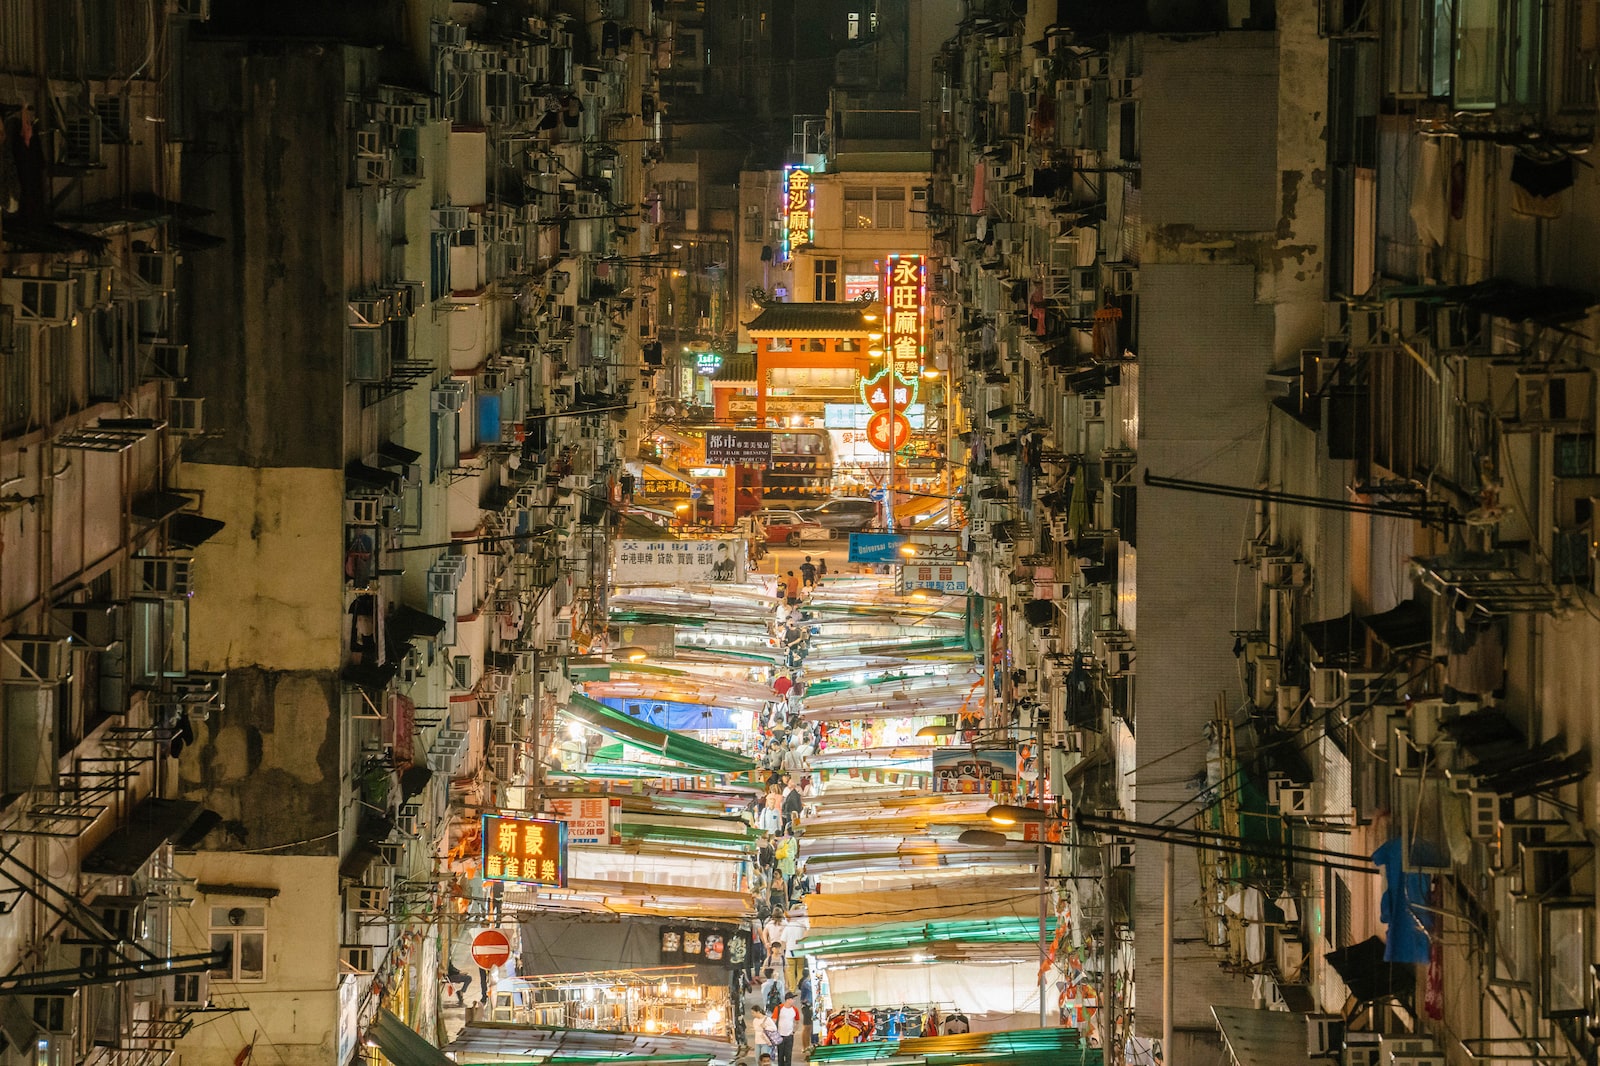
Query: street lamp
point(1012, 813)
point(983, 838)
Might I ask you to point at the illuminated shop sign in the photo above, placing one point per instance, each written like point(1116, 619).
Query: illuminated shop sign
point(707, 362)
point(904, 295)
point(531, 850)
point(798, 208)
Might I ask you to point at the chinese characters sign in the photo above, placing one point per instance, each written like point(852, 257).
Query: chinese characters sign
point(533, 850)
point(903, 317)
point(672, 562)
point(797, 208)
point(728, 447)
point(875, 391)
point(889, 431)
point(940, 577)
point(588, 819)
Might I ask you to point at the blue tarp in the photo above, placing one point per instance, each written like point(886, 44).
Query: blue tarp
point(670, 714)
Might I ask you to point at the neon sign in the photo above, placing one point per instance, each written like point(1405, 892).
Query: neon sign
point(904, 295)
point(532, 850)
point(798, 208)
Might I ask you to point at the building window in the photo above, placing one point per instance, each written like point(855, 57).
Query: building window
point(880, 207)
point(825, 280)
point(240, 933)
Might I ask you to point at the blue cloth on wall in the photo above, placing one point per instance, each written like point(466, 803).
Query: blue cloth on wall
point(1408, 926)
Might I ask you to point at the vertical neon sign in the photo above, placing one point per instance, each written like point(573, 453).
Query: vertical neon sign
point(798, 208)
point(904, 295)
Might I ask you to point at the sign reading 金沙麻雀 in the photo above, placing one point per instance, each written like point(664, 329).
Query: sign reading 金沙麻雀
point(727, 447)
point(532, 850)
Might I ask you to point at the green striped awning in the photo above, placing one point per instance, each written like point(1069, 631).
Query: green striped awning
point(1061, 1046)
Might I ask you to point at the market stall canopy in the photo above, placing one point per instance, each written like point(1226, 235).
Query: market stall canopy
point(894, 936)
point(524, 1041)
point(1261, 1037)
point(1014, 1047)
point(1010, 898)
point(664, 742)
point(401, 1045)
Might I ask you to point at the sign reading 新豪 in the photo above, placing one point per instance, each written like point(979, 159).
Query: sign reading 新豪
point(532, 850)
point(726, 447)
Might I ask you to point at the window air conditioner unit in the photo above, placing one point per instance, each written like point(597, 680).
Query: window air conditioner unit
point(1120, 662)
point(1426, 1058)
point(389, 852)
point(367, 511)
point(1284, 572)
point(186, 415)
point(451, 218)
point(1359, 1055)
point(94, 625)
point(448, 399)
point(198, 10)
point(188, 989)
point(1555, 395)
point(163, 362)
point(158, 269)
point(56, 1013)
point(35, 660)
point(366, 899)
point(1327, 687)
point(355, 958)
point(1324, 1034)
point(39, 301)
point(1483, 814)
point(1366, 327)
point(1296, 801)
point(163, 576)
point(1122, 853)
point(1268, 668)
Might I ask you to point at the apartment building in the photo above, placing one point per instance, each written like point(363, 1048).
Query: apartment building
point(1124, 257)
point(414, 275)
point(1350, 386)
point(102, 534)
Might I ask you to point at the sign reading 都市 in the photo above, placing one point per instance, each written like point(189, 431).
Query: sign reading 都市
point(727, 447)
point(654, 562)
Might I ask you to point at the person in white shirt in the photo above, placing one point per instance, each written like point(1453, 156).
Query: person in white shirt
point(788, 1018)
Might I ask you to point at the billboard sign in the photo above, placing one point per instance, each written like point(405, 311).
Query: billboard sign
point(526, 850)
point(676, 562)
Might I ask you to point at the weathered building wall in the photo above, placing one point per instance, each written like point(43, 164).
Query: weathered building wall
point(268, 321)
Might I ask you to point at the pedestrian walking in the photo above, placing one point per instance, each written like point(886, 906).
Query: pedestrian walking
point(808, 573)
point(788, 1018)
point(791, 589)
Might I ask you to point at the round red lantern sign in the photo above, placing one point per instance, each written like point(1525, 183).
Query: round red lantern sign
point(880, 426)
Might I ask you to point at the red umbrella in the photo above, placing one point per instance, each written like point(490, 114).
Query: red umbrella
point(782, 686)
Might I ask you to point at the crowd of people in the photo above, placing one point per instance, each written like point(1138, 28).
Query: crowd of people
point(778, 999)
